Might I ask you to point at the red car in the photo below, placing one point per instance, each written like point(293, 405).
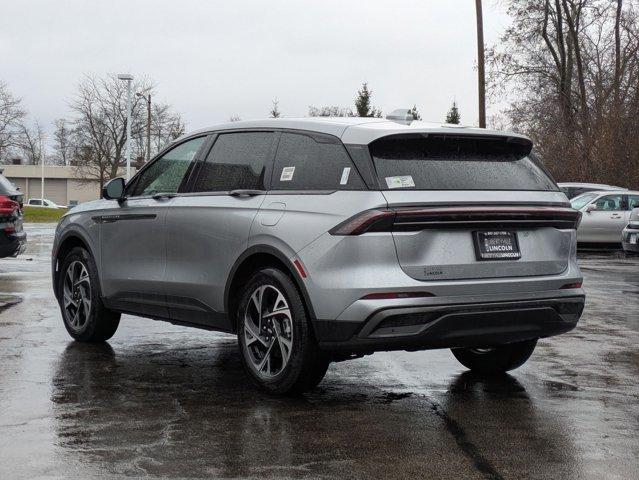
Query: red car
point(13, 238)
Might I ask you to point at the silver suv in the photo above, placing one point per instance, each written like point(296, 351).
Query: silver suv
point(319, 240)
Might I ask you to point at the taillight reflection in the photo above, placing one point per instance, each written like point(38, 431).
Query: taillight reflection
point(394, 295)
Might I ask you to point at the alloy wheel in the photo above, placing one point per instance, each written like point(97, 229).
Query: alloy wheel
point(268, 331)
point(76, 292)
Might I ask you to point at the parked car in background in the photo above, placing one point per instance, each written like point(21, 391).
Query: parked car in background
point(574, 189)
point(43, 202)
point(604, 215)
point(630, 235)
point(13, 238)
point(318, 240)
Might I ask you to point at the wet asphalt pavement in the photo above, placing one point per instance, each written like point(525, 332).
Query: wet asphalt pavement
point(166, 401)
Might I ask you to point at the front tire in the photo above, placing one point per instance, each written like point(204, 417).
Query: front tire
point(276, 341)
point(495, 359)
point(83, 313)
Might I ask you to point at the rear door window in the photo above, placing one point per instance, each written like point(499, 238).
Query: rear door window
point(237, 161)
point(439, 162)
point(633, 202)
point(318, 162)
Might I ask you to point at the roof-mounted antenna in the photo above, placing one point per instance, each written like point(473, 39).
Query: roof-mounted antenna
point(401, 115)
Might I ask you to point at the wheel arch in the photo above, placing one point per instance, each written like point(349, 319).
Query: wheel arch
point(254, 258)
point(68, 242)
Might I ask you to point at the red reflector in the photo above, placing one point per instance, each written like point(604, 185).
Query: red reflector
point(571, 285)
point(300, 268)
point(10, 230)
point(392, 295)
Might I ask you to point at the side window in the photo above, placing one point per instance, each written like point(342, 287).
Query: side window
point(610, 203)
point(304, 163)
point(166, 173)
point(237, 161)
point(633, 201)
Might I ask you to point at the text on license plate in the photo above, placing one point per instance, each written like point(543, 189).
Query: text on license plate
point(496, 245)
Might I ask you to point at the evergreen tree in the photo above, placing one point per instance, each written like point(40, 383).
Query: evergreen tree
point(453, 115)
point(275, 111)
point(415, 113)
point(363, 103)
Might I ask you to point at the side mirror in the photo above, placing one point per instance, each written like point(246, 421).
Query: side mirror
point(591, 208)
point(114, 190)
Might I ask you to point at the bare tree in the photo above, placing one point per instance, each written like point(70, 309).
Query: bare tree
point(63, 144)
point(166, 126)
point(11, 117)
point(32, 143)
point(330, 111)
point(570, 71)
point(99, 123)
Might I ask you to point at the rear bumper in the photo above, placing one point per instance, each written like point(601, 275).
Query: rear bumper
point(12, 244)
point(448, 326)
point(625, 239)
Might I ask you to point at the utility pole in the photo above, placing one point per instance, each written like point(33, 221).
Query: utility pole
point(41, 174)
point(481, 73)
point(148, 124)
point(127, 77)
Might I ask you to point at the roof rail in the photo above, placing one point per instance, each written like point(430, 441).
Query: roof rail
point(401, 115)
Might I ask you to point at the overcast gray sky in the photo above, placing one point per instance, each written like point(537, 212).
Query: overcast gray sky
point(213, 59)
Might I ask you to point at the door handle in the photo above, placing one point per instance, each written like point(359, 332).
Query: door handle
point(163, 196)
point(615, 215)
point(246, 193)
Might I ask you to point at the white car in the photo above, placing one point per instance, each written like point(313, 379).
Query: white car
point(574, 189)
point(43, 202)
point(630, 236)
point(604, 215)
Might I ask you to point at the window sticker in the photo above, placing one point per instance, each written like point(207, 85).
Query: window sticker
point(402, 181)
point(345, 174)
point(287, 174)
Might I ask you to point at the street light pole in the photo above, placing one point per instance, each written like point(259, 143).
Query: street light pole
point(148, 124)
point(127, 77)
point(41, 175)
point(148, 128)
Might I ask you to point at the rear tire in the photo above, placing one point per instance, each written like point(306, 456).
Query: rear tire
point(495, 359)
point(83, 313)
point(276, 341)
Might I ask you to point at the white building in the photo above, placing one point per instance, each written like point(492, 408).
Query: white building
point(63, 185)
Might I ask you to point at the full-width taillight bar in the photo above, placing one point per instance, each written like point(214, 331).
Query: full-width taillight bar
point(377, 220)
point(418, 218)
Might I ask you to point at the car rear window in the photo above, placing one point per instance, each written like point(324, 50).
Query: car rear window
point(439, 162)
